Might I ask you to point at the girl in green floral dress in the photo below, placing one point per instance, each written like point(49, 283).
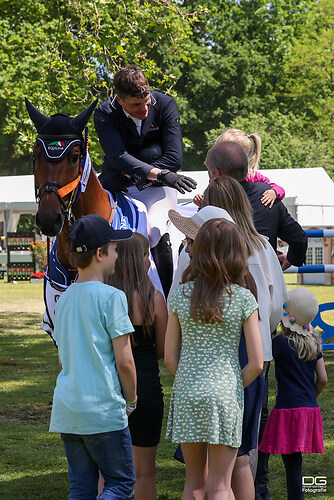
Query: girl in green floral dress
point(206, 315)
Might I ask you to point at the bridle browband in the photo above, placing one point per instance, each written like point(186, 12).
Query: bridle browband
point(59, 137)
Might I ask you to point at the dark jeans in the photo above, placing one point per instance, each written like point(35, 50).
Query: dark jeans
point(109, 452)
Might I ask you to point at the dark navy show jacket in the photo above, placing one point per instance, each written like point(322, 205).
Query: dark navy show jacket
point(276, 222)
point(123, 146)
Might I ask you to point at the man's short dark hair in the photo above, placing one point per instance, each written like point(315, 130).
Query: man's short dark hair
point(131, 82)
point(229, 158)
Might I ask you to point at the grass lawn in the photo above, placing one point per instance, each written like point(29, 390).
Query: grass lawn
point(32, 461)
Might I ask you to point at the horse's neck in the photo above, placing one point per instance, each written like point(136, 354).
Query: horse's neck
point(62, 255)
point(94, 200)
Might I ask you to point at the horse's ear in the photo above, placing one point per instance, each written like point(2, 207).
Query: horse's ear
point(80, 121)
point(36, 117)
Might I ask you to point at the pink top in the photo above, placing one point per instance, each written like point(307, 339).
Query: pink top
point(258, 177)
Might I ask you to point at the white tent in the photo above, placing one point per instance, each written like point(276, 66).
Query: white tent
point(17, 196)
point(309, 195)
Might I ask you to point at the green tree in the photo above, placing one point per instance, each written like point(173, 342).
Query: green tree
point(62, 55)
point(308, 85)
point(236, 62)
point(285, 144)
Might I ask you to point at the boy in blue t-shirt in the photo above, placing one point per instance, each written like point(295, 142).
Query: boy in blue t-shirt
point(96, 388)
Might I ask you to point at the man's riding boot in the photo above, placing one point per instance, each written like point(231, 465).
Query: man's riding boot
point(163, 258)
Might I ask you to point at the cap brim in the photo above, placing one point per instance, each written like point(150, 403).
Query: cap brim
point(184, 224)
point(121, 234)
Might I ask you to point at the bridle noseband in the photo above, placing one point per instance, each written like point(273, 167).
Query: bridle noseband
point(49, 187)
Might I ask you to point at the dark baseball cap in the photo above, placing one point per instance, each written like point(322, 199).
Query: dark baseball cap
point(93, 231)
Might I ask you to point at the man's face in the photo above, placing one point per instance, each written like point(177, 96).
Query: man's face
point(136, 106)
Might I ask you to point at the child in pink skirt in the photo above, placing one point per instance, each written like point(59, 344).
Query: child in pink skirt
point(295, 424)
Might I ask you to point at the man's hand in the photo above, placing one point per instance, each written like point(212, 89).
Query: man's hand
point(176, 181)
point(285, 264)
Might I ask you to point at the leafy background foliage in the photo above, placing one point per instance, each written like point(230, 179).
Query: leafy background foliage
point(257, 65)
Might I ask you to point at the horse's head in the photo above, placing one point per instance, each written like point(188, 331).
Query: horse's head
point(56, 155)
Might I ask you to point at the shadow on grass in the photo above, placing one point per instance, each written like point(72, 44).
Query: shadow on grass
point(20, 321)
point(52, 486)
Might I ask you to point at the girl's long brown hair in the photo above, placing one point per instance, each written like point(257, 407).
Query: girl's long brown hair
point(130, 276)
point(225, 192)
point(219, 260)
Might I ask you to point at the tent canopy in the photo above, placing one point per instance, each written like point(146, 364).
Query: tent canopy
point(309, 195)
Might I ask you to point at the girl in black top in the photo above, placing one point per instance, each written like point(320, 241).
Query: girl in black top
point(148, 313)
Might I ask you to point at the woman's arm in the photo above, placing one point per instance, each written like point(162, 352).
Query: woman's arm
point(172, 342)
point(125, 367)
point(321, 381)
point(160, 323)
point(254, 349)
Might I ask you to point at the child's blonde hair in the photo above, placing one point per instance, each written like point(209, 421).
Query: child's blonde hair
point(307, 346)
point(251, 144)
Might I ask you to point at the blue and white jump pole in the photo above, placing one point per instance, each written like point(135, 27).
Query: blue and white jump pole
point(328, 268)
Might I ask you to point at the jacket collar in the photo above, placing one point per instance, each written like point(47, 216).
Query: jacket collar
point(114, 101)
point(130, 123)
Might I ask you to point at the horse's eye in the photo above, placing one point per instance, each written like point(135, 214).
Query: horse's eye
point(75, 158)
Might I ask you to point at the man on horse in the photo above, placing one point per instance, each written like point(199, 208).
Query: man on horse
point(67, 188)
point(140, 134)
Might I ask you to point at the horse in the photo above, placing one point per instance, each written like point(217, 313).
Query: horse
point(58, 159)
point(66, 188)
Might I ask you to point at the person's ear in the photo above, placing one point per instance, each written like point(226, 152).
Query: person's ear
point(119, 100)
point(98, 254)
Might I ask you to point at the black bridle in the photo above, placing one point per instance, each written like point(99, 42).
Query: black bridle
point(58, 189)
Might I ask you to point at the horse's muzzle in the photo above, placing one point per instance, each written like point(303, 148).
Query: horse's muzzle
point(50, 226)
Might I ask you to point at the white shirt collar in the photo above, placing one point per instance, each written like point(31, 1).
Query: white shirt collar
point(136, 121)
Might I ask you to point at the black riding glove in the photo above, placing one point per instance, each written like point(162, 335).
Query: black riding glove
point(176, 181)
